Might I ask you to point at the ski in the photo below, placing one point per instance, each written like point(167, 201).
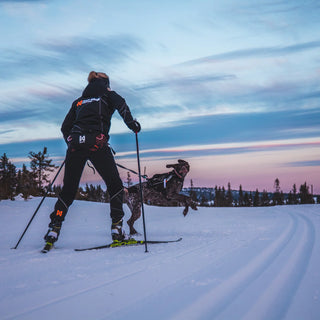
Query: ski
point(129, 242)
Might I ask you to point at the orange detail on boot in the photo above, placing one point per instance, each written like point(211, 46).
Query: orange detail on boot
point(59, 213)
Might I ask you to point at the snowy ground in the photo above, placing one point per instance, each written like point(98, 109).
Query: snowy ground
point(233, 263)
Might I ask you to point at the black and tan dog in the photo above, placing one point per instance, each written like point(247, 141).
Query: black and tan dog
point(162, 190)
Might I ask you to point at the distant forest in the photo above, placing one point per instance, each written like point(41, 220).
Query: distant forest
point(34, 182)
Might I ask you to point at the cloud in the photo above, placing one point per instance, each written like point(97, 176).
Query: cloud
point(223, 129)
point(10, 1)
point(47, 75)
point(67, 55)
point(310, 163)
point(184, 81)
point(255, 53)
point(195, 150)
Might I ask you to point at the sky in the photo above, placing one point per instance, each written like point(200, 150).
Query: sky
point(232, 87)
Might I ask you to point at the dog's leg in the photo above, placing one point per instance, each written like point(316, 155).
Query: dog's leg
point(129, 199)
point(135, 215)
point(185, 210)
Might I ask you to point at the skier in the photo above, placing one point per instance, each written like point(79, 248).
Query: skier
point(85, 129)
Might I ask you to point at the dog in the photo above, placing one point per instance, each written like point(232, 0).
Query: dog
point(162, 190)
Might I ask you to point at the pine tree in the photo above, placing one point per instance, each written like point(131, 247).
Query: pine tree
point(28, 184)
point(223, 197)
point(240, 196)
point(229, 198)
point(246, 200)
point(40, 164)
point(106, 196)
point(99, 194)
point(129, 180)
point(204, 201)
point(290, 198)
point(8, 178)
point(305, 195)
point(277, 199)
point(295, 196)
point(256, 199)
point(216, 196)
point(265, 201)
point(193, 194)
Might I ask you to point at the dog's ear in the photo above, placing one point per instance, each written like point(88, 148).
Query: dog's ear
point(185, 163)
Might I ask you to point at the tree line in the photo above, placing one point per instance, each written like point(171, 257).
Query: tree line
point(220, 197)
point(34, 182)
point(24, 181)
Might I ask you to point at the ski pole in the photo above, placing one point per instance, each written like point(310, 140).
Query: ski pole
point(48, 189)
point(141, 194)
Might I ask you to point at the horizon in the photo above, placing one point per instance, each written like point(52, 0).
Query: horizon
point(232, 88)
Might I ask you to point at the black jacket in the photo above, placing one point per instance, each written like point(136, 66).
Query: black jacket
point(92, 112)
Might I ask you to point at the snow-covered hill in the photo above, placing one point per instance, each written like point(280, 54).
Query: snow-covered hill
point(233, 263)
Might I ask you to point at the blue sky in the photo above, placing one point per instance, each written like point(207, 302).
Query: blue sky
point(230, 86)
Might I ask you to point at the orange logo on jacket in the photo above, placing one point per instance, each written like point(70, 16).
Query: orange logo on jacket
point(79, 103)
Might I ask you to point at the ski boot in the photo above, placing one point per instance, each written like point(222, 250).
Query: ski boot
point(51, 237)
point(118, 235)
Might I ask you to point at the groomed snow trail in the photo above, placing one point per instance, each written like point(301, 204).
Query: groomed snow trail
point(233, 263)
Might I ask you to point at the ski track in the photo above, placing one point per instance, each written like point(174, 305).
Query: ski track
point(31, 312)
point(214, 290)
point(275, 299)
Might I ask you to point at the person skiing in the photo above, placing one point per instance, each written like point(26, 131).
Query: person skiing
point(86, 131)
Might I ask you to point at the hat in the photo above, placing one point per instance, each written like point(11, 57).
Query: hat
point(98, 75)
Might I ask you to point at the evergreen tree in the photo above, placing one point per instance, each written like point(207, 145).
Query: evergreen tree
point(57, 190)
point(106, 196)
point(216, 196)
point(220, 199)
point(28, 184)
point(40, 164)
point(290, 198)
point(246, 200)
point(305, 195)
point(229, 197)
point(265, 201)
point(193, 194)
point(90, 192)
point(240, 196)
point(81, 195)
point(295, 196)
point(281, 198)
point(256, 199)
point(18, 182)
point(204, 201)
point(99, 194)
point(129, 180)
point(277, 199)
point(8, 178)
point(223, 197)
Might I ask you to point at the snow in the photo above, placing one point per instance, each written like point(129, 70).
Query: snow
point(233, 263)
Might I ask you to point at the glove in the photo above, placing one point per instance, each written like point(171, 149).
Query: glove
point(135, 126)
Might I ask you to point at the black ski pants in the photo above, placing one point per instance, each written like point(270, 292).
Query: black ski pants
point(103, 161)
